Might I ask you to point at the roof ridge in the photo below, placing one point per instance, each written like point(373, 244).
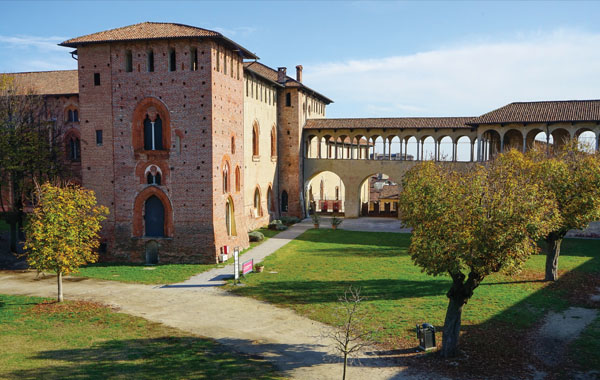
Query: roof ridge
point(555, 101)
point(35, 72)
point(394, 117)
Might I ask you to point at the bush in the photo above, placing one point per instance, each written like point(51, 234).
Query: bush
point(256, 236)
point(289, 220)
point(273, 225)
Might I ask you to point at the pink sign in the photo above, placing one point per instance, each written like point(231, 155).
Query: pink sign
point(247, 266)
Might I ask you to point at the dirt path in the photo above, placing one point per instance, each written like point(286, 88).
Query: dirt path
point(290, 341)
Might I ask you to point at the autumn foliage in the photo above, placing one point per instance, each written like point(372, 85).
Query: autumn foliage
point(62, 233)
point(470, 223)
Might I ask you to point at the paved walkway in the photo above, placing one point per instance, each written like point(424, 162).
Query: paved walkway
point(368, 224)
point(218, 276)
point(295, 344)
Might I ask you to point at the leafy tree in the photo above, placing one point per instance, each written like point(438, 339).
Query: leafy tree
point(472, 223)
point(62, 232)
point(572, 175)
point(30, 147)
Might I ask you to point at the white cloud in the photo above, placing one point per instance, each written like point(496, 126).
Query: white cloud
point(36, 42)
point(464, 80)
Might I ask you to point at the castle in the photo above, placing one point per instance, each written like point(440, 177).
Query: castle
point(191, 142)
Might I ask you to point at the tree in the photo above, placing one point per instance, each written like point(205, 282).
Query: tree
point(349, 336)
point(572, 175)
point(472, 223)
point(30, 147)
point(62, 233)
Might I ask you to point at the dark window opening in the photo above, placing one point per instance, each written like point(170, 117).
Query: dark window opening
point(154, 217)
point(284, 201)
point(102, 248)
point(150, 63)
point(194, 59)
point(72, 116)
point(74, 149)
point(153, 179)
point(153, 134)
point(288, 100)
point(128, 61)
point(172, 60)
point(99, 137)
point(96, 79)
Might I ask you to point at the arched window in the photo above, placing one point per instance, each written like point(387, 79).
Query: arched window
point(257, 208)
point(230, 218)
point(153, 133)
point(284, 201)
point(255, 150)
point(154, 217)
point(232, 144)
point(273, 142)
point(153, 179)
point(72, 115)
point(237, 179)
point(226, 178)
point(74, 149)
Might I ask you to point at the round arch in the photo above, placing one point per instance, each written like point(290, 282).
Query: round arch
point(328, 199)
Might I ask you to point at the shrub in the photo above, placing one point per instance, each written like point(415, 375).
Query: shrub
point(335, 221)
point(315, 218)
point(256, 236)
point(274, 224)
point(289, 220)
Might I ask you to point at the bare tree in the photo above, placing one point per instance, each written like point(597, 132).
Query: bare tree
point(350, 335)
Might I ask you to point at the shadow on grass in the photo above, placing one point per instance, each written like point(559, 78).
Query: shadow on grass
point(347, 237)
point(308, 292)
point(158, 358)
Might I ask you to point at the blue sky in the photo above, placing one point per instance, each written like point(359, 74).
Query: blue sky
point(372, 58)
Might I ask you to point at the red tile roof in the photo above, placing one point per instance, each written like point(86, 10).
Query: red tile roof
point(390, 122)
point(46, 82)
point(542, 112)
point(152, 31)
point(272, 75)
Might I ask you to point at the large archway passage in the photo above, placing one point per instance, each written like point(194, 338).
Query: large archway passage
point(325, 193)
point(379, 196)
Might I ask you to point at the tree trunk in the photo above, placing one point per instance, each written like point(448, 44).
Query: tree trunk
point(553, 242)
point(452, 327)
point(60, 292)
point(345, 365)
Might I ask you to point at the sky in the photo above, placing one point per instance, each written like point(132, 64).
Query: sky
point(374, 59)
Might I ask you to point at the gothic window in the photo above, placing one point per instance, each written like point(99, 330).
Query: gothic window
point(153, 134)
point(150, 62)
point(154, 217)
point(74, 149)
point(172, 60)
point(273, 142)
point(194, 59)
point(72, 115)
point(128, 61)
point(255, 150)
point(229, 217)
point(153, 179)
point(232, 144)
point(284, 201)
point(226, 178)
point(257, 208)
point(237, 178)
point(270, 204)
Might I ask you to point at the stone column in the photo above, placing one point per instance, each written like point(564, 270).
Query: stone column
point(502, 143)
point(472, 150)
point(525, 142)
point(352, 200)
point(417, 158)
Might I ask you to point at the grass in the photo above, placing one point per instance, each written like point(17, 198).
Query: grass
point(42, 339)
point(316, 268)
point(156, 274)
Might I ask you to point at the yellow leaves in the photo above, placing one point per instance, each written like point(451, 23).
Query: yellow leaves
point(63, 230)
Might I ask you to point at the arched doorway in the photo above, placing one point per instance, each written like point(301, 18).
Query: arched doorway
point(325, 193)
point(154, 217)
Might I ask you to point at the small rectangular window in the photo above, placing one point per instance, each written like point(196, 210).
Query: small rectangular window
point(288, 100)
point(150, 63)
point(172, 60)
point(128, 61)
point(96, 79)
point(194, 59)
point(225, 63)
point(99, 137)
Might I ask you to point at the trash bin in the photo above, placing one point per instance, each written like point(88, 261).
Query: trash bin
point(426, 336)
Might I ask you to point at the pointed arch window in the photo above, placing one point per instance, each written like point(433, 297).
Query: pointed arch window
point(74, 149)
point(153, 133)
point(153, 179)
point(72, 115)
point(273, 143)
point(230, 218)
point(255, 150)
point(237, 179)
point(257, 208)
point(226, 178)
point(270, 204)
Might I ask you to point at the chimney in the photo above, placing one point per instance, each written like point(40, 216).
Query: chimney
point(281, 74)
point(299, 73)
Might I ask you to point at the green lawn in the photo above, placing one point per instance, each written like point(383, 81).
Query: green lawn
point(313, 270)
point(80, 340)
point(156, 274)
